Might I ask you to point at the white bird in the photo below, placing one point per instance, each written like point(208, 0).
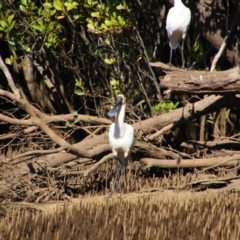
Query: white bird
point(121, 138)
point(178, 21)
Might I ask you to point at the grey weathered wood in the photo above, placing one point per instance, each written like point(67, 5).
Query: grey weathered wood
point(200, 82)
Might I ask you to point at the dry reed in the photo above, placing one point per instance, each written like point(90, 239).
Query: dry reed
point(157, 216)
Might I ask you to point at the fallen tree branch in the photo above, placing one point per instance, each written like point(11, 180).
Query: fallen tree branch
point(86, 148)
point(187, 113)
point(227, 144)
point(100, 128)
point(165, 67)
point(97, 164)
point(230, 161)
point(16, 121)
point(71, 117)
point(32, 153)
point(206, 182)
point(36, 206)
point(160, 132)
point(85, 173)
point(78, 162)
point(202, 82)
point(9, 135)
point(149, 149)
point(36, 121)
point(217, 165)
point(176, 117)
point(57, 159)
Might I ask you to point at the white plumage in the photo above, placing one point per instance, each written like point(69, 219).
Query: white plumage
point(121, 137)
point(178, 21)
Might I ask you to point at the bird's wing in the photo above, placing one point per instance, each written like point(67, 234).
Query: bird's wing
point(111, 133)
point(131, 133)
point(170, 16)
point(187, 21)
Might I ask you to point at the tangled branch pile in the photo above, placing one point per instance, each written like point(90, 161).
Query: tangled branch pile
point(93, 151)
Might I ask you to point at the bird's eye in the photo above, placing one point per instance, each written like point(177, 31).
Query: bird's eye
point(119, 97)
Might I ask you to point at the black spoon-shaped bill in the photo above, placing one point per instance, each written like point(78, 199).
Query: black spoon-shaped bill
point(113, 111)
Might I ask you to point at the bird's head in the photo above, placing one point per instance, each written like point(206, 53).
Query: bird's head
point(120, 100)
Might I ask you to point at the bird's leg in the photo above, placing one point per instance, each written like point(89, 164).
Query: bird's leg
point(116, 176)
point(123, 169)
point(170, 61)
point(155, 51)
point(183, 60)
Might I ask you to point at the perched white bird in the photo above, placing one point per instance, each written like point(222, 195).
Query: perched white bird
point(121, 138)
point(178, 21)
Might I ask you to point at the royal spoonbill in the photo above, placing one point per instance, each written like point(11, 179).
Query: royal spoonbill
point(178, 21)
point(121, 138)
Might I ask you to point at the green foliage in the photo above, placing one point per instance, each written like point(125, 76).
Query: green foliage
point(196, 51)
point(105, 17)
point(115, 84)
point(64, 7)
point(142, 104)
point(41, 25)
point(35, 24)
point(10, 60)
point(56, 27)
point(7, 23)
point(110, 60)
point(227, 113)
point(164, 107)
point(72, 124)
point(79, 87)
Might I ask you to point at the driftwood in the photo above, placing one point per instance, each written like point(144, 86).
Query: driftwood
point(200, 82)
point(226, 161)
point(222, 144)
point(225, 184)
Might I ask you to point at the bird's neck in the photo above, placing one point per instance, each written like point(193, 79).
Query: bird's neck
point(178, 3)
point(119, 120)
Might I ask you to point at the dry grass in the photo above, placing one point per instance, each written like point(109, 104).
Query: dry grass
point(146, 211)
point(163, 215)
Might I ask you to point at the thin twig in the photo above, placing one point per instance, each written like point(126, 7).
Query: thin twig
point(153, 77)
point(221, 163)
point(160, 132)
point(33, 153)
point(85, 173)
point(9, 78)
